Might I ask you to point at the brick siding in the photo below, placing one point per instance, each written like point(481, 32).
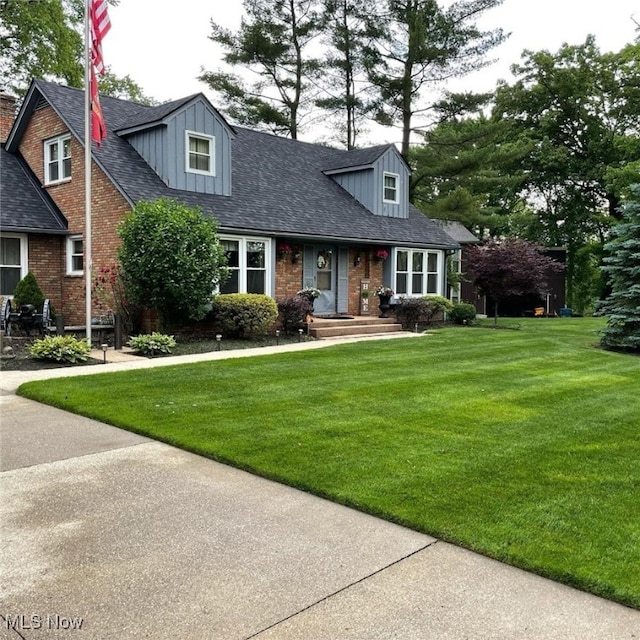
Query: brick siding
point(47, 255)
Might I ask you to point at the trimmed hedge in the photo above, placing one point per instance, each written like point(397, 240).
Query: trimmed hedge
point(242, 314)
point(412, 311)
point(462, 313)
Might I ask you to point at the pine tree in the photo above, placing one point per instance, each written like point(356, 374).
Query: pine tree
point(28, 291)
point(622, 266)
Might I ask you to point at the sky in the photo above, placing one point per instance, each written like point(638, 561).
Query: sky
point(163, 44)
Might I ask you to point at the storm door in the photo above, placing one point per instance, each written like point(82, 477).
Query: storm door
point(324, 278)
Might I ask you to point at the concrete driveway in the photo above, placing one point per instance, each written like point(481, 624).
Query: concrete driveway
point(105, 534)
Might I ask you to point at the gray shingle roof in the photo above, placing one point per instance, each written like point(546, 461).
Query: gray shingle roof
point(24, 206)
point(278, 184)
point(457, 231)
point(356, 158)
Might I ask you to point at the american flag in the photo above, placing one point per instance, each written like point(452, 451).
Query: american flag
point(100, 25)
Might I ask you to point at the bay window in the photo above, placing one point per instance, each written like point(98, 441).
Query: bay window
point(417, 272)
point(247, 264)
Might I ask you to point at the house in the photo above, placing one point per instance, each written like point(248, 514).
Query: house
point(513, 306)
point(462, 291)
point(290, 214)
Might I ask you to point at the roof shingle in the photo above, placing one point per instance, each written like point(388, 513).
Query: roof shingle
point(278, 184)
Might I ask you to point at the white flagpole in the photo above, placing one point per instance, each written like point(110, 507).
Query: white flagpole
point(87, 170)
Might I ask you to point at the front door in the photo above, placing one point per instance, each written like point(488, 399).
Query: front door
point(324, 268)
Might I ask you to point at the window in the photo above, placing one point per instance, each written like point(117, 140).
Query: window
point(75, 256)
point(13, 262)
point(417, 272)
point(57, 159)
point(390, 190)
point(247, 264)
point(200, 150)
point(454, 272)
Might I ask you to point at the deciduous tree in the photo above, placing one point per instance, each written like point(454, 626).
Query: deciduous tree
point(171, 259)
point(510, 267)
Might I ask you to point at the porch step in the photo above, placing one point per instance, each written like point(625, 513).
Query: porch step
point(351, 326)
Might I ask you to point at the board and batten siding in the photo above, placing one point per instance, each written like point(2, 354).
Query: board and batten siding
point(164, 149)
point(366, 185)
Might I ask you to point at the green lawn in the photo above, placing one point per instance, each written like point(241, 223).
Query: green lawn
point(523, 445)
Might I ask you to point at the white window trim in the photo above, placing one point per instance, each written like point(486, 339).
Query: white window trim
point(425, 272)
point(212, 153)
point(70, 254)
point(396, 176)
point(24, 255)
point(455, 291)
point(243, 268)
point(47, 158)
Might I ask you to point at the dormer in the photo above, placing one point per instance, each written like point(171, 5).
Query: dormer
point(186, 142)
point(377, 177)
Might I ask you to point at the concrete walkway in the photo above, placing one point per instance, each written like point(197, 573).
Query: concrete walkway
point(128, 538)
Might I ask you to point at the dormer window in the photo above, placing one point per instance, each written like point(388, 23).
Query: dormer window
point(390, 188)
point(200, 153)
point(57, 159)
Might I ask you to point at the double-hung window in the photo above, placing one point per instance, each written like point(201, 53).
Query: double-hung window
point(13, 262)
point(391, 188)
point(200, 153)
point(417, 272)
point(57, 159)
point(75, 256)
point(247, 264)
point(455, 269)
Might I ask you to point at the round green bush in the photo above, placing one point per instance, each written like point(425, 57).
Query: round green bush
point(243, 314)
point(462, 312)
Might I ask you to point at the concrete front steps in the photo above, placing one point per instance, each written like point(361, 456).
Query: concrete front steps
point(351, 326)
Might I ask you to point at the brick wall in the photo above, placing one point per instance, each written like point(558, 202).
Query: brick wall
point(7, 115)
point(289, 277)
point(107, 209)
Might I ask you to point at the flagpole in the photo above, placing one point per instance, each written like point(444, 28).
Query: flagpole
point(87, 171)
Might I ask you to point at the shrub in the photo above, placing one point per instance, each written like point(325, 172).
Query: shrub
point(243, 314)
point(151, 343)
point(412, 311)
point(293, 312)
point(462, 312)
point(171, 259)
point(60, 349)
point(28, 291)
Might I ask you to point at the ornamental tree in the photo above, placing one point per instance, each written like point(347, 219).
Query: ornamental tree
point(171, 259)
point(510, 267)
point(622, 265)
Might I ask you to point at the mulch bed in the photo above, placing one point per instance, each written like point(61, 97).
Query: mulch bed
point(19, 359)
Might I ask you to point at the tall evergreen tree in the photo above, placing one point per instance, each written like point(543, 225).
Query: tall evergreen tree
point(622, 266)
point(272, 42)
point(347, 29)
point(421, 46)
